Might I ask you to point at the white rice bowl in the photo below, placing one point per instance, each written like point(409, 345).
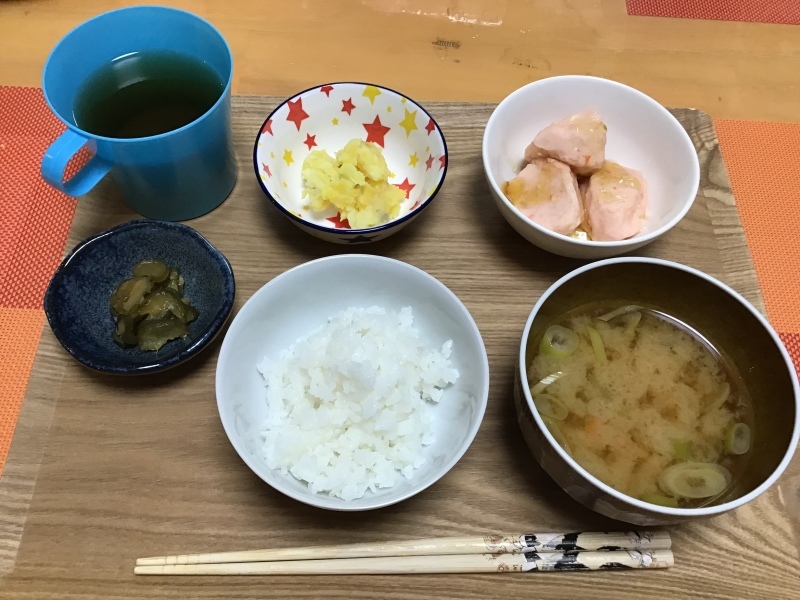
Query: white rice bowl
point(347, 406)
point(301, 301)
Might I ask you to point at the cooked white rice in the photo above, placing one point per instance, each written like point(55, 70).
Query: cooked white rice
point(348, 407)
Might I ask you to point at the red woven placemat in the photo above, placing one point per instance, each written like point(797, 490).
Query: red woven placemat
point(34, 223)
point(759, 11)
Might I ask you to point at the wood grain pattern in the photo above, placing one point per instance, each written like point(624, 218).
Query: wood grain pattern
point(467, 50)
point(103, 470)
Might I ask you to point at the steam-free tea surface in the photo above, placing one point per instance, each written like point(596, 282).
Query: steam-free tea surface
point(146, 93)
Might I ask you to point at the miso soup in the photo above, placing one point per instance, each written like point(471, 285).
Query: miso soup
point(643, 403)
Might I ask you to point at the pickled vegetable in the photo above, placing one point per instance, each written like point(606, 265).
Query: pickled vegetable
point(155, 270)
point(175, 281)
point(154, 333)
point(125, 333)
point(550, 406)
point(150, 308)
point(161, 304)
point(130, 294)
point(190, 312)
point(737, 439)
point(695, 480)
point(559, 342)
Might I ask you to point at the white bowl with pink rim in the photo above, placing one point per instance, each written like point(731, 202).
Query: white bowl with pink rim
point(727, 321)
point(327, 117)
point(642, 135)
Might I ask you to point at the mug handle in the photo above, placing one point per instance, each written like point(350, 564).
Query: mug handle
point(58, 156)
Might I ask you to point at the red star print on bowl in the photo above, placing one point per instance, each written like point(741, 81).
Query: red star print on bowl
point(296, 113)
point(328, 116)
point(406, 186)
point(311, 141)
point(348, 106)
point(376, 131)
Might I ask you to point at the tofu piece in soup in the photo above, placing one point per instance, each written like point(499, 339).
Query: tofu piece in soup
point(579, 141)
point(546, 192)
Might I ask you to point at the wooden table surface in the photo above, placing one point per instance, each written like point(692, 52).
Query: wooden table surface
point(466, 50)
point(96, 476)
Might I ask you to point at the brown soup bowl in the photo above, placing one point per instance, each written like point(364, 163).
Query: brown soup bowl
point(727, 321)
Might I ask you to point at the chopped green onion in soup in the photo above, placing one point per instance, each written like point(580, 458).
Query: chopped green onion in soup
point(683, 449)
point(559, 342)
point(737, 438)
point(550, 406)
point(660, 500)
point(546, 381)
point(597, 345)
point(695, 480)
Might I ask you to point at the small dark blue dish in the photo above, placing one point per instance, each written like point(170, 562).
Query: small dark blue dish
point(76, 301)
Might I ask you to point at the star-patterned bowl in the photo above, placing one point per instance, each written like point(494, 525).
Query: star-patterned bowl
point(327, 117)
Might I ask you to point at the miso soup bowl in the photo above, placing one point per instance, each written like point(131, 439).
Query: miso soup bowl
point(720, 315)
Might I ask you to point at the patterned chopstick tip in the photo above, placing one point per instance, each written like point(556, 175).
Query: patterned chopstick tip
point(613, 560)
point(594, 541)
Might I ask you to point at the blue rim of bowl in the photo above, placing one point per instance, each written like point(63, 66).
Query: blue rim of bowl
point(156, 366)
point(348, 232)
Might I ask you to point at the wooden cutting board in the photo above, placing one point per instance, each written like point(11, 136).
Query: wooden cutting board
point(103, 469)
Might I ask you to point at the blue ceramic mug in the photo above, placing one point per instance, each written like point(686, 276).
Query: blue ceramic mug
point(177, 175)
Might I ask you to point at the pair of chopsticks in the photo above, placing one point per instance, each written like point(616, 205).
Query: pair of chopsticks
point(591, 551)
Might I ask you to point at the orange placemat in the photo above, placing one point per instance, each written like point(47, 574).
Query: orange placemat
point(762, 160)
point(34, 223)
point(760, 11)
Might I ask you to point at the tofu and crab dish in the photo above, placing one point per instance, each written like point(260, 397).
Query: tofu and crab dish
point(568, 186)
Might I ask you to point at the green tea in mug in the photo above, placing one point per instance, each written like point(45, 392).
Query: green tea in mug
point(146, 93)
